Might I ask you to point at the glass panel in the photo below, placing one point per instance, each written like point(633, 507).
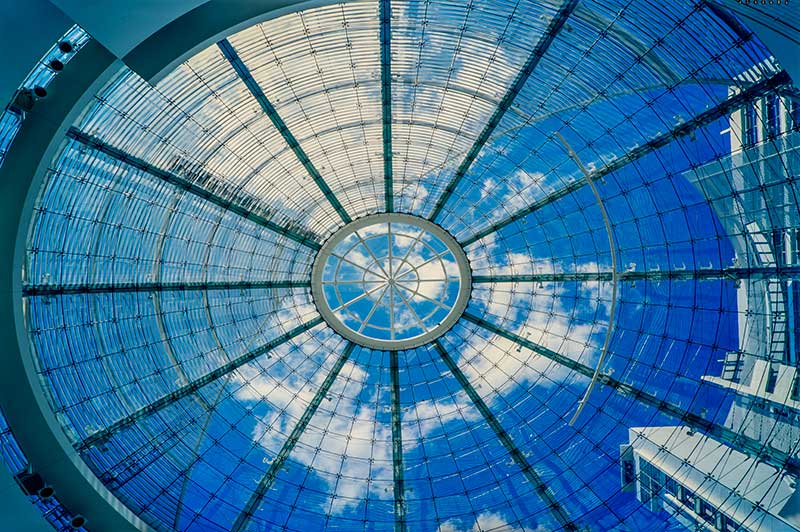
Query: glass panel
point(167, 281)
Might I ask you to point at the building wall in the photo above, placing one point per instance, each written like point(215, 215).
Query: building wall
point(754, 195)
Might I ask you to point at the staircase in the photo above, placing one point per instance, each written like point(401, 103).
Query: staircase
point(777, 323)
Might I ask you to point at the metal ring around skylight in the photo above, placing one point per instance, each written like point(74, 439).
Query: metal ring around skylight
point(391, 281)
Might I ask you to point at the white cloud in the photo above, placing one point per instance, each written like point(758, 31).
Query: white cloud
point(353, 443)
point(414, 195)
point(536, 312)
point(345, 437)
point(432, 154)
point(488, 522)
point(351, 440)
point(433, 414)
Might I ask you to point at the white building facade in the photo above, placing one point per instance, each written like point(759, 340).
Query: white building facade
point(706, 484)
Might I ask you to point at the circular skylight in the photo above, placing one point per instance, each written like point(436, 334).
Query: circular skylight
point(391, 281)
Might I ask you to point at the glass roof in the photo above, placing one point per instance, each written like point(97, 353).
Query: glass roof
point(168, 277)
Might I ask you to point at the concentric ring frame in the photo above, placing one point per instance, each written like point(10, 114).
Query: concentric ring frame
point(464, 291)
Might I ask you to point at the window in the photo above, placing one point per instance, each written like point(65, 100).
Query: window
point(779, 246)
point(169, 273)
point(671, 486)
point(772, 379)
point(707, 512)
point(794, 114)
point(727, 524)
point(651, 480)
point(773, 116)
point(793, 316)
point(688, 498)
point(793, 253)
point(749, 127)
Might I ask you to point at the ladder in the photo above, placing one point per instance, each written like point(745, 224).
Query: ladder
point(777, 323)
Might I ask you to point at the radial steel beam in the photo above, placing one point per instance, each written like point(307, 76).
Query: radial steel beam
point(546, 494)
point(192, 188)
point(750, 446)
point(386, 100)
point(705, 118)
point(398, 469)
point(288, 446)
point(192, 387)
point(733, 274)
point(530, 65)
point(252, 85)
point(113, 288)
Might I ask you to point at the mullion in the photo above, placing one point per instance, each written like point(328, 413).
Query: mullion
point(556, 509)
point(547, 38)
point(397, 447)
point(192, 188)
point(115, 288)
point(731, 274)
point(386, 100)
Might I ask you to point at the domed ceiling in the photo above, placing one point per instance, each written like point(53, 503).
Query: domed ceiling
point(417, 266)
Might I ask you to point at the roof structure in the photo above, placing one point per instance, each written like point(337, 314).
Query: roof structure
point(391, 265)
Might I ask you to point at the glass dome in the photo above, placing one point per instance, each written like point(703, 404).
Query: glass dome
point(433, 266)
